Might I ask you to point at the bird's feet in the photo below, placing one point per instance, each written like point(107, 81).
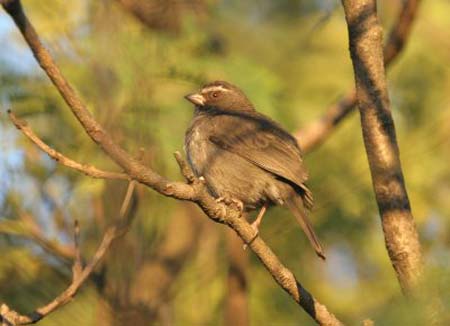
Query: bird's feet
point(255, 227)
point(229, 201)
point(255, 224)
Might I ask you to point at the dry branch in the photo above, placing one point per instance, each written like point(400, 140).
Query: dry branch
point(79, 273)
point(194, 191)
point(30, 229)
point(401, 238)
point(315, 133)
point(36, 233)
point(88, 170)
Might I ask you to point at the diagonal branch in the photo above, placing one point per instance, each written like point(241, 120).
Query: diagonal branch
point(401, 238)
point(26, 227)
point(400, 31)
point(194, 191)
point(79, 273)
point(315, 133)
point(88, 170)
point(135, 169)
point(59, 250)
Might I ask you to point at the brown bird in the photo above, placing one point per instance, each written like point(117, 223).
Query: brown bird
point(245, 157)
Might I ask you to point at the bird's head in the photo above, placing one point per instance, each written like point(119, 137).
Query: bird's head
point(220, 95)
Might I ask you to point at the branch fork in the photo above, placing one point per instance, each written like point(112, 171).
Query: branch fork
point(80, 272)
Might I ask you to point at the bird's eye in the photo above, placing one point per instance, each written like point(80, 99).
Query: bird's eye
point(215, 94)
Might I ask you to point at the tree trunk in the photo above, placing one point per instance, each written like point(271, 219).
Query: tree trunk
point(402, 242)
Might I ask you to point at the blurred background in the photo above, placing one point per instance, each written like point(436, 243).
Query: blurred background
point(133, 61)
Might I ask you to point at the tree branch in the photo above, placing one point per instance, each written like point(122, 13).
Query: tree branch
point(315, 133)
point(196, 191)
point(26, 227)
point(79, 273)
point(88, 170)
point(400, 31)
point(132, 167)
point(402, 242)
point(59, 250)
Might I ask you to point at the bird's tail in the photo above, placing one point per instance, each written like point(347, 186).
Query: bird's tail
point(296, 206)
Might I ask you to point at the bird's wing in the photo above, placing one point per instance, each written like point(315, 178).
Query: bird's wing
point(263, 143)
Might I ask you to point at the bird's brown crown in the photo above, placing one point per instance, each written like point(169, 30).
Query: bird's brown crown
point(220, 95)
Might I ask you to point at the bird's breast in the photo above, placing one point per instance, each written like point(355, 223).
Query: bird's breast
point(197, 146)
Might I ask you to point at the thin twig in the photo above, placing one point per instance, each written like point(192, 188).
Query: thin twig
point(185, 170)
point(315, 133)
point(79, 274)
point(34, 232)
point(88, 170)
point(77, 264)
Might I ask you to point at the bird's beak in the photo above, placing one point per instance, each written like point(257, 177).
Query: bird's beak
point(196, 99)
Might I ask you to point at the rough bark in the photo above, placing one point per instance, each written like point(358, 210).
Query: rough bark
point(401, 238)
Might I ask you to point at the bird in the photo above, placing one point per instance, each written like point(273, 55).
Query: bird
point(245, 157)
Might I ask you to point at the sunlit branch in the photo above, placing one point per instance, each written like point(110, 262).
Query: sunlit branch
point(316, 132)
point(88, 170)
point(378, 129)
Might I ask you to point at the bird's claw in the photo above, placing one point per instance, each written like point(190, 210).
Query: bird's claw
point(231, 202)
point(254, 226)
